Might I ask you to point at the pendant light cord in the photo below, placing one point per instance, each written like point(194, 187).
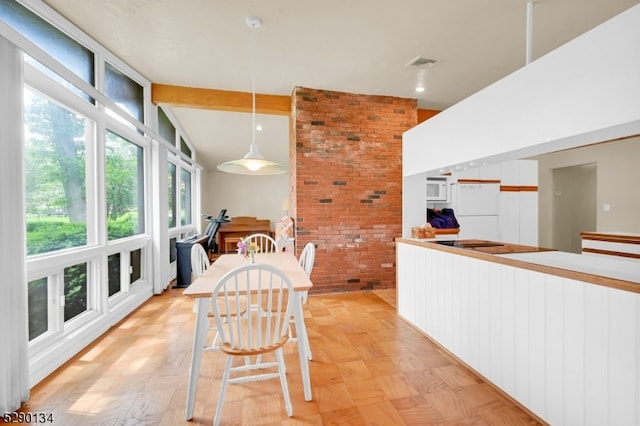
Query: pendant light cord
point(253, 163)
point(253, 85)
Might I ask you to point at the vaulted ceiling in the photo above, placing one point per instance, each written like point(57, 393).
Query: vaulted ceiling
point(355, 46)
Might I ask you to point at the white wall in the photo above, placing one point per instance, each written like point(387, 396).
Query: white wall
point(259, 196)
point(618, 179)
point(583, 92)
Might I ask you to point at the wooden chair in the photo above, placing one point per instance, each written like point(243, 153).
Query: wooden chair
point(199, 260)
point(306, 259)
point(199, 264)
point(266, 243)
point(245, 335)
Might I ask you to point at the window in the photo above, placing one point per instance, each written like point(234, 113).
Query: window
point(185, 197)
point(55, 139)
point(75, 291)
point(115, 276)
point(184, 147)
point(135, 265)
point(125, 190)
point(38, 293)
point(172, 185)
point(63, 48)
point(88, 239)
point(166, 129)
point(124, 91)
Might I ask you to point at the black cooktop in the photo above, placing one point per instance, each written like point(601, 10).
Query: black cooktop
point(467, 244)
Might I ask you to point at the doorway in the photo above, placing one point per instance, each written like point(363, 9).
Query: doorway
point(574, 205)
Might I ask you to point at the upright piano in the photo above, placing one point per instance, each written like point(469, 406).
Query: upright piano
point(238, 228)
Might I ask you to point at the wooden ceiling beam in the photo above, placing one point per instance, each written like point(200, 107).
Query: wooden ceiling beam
point(223, 100)
point(425, 114)
point(227, 100)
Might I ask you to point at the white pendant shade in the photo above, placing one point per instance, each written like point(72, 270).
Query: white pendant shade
point(253, 163)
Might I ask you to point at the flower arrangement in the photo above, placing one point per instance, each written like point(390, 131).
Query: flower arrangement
point(248, 250)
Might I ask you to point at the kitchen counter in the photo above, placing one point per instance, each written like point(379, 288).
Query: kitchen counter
point(555, 331)
point(620, 269)
point(491, 247)
point(609, 272)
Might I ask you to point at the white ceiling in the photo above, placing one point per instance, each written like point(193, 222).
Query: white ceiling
point(355, 46)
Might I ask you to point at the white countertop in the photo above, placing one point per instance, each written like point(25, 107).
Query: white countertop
point(621, 269)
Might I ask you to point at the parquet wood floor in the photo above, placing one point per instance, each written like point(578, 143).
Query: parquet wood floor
point(369, 368)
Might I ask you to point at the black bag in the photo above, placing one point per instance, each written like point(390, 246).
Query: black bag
point(443, 219)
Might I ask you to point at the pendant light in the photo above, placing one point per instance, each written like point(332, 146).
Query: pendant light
point(253, 163)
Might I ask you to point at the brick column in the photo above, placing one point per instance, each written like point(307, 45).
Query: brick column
point(346, 179)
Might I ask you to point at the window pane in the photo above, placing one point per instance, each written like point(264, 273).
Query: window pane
point(38, 307)
point(125, 193)
point(55, 140)
point(114, 274)
point(172, 194)
point(57, 78)
point(166, 129)
point(124, 92)
point(185, 197)
point(185, 148)
point(57, 44)
point(173, 250)
point(136, 265)
point(75, 290)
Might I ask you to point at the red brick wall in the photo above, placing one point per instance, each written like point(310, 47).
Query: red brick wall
point(346, 184)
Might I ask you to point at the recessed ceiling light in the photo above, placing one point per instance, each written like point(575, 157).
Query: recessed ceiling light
point(420, 89)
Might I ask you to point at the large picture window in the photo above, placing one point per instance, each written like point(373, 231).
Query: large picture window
point(125, 190)
point(87, 183)
point(55, 140)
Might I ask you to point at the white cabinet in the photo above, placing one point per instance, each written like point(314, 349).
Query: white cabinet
point(567, 350)
point(471, 173)
point(528, 223)
point(510, 217)
point(519, 202)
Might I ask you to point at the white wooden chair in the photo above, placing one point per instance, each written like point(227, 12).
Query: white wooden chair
point(199, 260)
point(199, 264)
point(266, 243)
point(252, 335)
point(306, 259)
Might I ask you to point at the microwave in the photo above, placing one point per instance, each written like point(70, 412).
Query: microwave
point(437, 190)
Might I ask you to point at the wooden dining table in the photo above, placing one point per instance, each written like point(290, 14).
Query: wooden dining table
point(201, 289)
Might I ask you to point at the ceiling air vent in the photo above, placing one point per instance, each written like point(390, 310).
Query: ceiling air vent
point(419, 61)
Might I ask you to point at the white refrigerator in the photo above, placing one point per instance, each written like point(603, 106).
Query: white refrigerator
point(477, 206)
